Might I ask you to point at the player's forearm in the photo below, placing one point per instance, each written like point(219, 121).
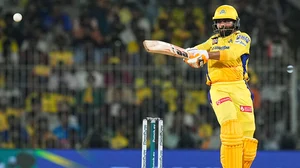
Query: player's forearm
point(222, 55)
point(215, 55)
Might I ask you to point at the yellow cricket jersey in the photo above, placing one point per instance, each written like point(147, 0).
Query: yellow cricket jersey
point(234, 68)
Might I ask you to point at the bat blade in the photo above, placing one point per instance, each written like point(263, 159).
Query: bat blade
point(161, 47)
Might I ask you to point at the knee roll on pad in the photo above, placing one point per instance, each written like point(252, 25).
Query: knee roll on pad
point(249, 149)
point(232, 144)
point(231, 133)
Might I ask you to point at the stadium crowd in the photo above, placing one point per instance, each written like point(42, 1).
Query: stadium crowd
point(74, 74)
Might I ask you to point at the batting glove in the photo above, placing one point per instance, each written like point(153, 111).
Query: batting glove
point(197, 58)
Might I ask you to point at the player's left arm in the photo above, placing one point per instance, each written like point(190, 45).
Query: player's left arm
point(240, 46)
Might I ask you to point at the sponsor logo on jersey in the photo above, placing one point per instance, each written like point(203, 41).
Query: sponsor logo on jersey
point(220, 47)
point(247, 109)
point(242, 37)
point(222, 100)
point(240, 42)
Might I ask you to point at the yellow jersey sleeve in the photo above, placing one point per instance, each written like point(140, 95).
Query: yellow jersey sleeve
point(241, 45)
point(207, 44)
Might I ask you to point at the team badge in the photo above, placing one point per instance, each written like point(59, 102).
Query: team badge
point(222, 11)
point(214, 41)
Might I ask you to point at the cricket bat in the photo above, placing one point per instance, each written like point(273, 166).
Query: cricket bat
point(161, 47)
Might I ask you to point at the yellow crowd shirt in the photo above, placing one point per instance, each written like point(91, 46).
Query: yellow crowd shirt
point(233, 66)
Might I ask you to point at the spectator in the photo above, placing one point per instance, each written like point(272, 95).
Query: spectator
point(57, 19)
point(42, 135)
point(62, 132)
point(16, 136)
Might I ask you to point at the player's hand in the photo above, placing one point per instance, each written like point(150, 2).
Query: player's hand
point(197, 58)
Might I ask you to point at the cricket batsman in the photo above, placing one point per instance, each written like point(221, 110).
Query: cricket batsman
point(227, 54)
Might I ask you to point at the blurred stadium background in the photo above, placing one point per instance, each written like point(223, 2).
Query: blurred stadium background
point(74, 74)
